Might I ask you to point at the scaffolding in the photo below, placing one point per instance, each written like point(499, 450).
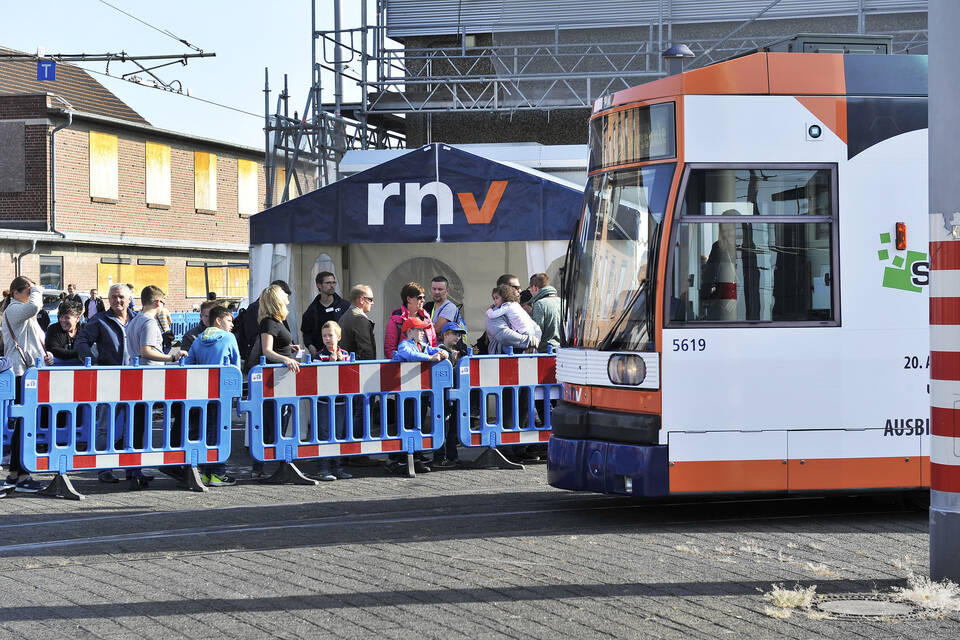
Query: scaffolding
point(523, 67)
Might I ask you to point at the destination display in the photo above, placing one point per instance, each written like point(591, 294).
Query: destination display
point(633, 135)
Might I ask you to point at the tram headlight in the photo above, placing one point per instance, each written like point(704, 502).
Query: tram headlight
point(626, 369)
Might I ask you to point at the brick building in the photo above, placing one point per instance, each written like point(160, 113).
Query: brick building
point(91, 193)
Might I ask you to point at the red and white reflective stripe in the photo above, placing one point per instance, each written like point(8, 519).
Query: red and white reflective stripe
point(513, 371)
point(127, 385)
point(531, 436)
point(345, 449)
point(327, 379)
point(944, 357)
point(117, 460)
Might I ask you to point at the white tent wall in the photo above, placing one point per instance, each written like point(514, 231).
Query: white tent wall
point(472, 267)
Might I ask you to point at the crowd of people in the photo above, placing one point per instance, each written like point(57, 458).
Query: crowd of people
point(332, 329)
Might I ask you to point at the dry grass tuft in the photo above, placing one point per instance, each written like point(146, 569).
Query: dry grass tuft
point(779, 614)
point(924, 592)
point(685, 549)
point(821, 569)
point(796, 598)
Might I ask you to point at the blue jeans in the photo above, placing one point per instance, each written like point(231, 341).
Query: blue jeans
point(323, 426)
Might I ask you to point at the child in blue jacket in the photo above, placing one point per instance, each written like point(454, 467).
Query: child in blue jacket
point(414, 349)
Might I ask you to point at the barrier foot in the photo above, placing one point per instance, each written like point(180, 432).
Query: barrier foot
point(492, 458)
point(411, 470)
point(61, 487)
point(288, 473)
point(193, 481)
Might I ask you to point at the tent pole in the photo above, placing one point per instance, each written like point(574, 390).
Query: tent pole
point(436, 184)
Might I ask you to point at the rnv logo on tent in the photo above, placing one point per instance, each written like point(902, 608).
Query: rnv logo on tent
point(377, 194)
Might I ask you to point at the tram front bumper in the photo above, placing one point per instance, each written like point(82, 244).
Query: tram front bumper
point(608, 467)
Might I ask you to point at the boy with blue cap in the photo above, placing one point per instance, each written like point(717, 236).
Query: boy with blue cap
point(451, 341)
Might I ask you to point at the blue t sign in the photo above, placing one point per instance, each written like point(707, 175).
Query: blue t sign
point(46, 70)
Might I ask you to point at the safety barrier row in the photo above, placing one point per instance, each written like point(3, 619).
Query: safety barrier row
point(505, 400)
point(335, 409)
point(181, 322)
point(105, 418)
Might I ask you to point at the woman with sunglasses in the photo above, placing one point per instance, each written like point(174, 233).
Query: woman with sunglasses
point(412, 297)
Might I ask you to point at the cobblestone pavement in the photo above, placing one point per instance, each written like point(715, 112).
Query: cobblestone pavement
point(456, 553)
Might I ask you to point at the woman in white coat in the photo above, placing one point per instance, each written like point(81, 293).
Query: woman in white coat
point(22, 345)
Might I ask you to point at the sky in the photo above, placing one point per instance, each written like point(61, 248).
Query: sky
point(246, 35)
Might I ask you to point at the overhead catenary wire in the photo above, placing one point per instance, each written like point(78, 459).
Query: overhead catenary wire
point(165, 32)
point(177, 93)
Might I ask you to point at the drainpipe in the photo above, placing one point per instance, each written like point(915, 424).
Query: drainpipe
point(32, 249)
point(53, 175)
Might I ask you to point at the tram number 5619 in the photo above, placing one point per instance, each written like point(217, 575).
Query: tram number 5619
point(690, 344)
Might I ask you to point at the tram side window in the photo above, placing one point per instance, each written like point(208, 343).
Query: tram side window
point(770, 259)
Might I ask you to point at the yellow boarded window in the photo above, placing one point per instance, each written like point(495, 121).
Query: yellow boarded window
point(139, 275)
point(227, 281)
point(204, 181)
point(248, 201)
point(103, 166)
point(158, 174)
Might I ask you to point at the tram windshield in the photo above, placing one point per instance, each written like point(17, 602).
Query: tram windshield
point(612, 265)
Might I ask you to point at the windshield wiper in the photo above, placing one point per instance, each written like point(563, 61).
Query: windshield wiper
point(628, 308)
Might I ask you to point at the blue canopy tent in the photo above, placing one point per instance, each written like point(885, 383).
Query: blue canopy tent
point(436, 210)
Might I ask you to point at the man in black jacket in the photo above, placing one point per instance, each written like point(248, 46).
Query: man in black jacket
point(325, 307)
point(93, 306)
point(246, 328)
point(187, 340)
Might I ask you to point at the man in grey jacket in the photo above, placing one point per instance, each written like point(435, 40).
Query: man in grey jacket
point(546, 311)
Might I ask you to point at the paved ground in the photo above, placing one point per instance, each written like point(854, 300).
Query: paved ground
point(458, 553)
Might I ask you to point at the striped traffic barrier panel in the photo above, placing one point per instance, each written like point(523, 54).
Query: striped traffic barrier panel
point(496, 398)
point(294, 416)
point(7, 396)
point(104, 418)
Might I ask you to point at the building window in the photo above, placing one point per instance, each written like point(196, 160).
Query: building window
point(139, 275)
point(158, 175)
point(104, 179)
point(248, 197)
point(756, 245)
point(205, 182)
point(51, 272)
point(225, 280)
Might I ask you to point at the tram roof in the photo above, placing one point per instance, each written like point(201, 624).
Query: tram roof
point(767, 73)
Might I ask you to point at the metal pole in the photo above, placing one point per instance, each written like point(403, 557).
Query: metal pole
point(944, 160)
point(861, 19)
point(315, 92)
point(268, 155)
point(364, 132)
point(337, 61)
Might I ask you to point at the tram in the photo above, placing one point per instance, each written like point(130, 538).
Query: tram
point(746, 290)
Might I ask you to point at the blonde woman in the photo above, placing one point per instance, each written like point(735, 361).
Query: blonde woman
point(23, 344)
point(276, 345)
point(276, 342)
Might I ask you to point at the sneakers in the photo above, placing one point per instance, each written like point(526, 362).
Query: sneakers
point(215, 480)
point(8, 486)
point(108, 477)
point(421, 467)
point(342, 475)
point(27, 484)
point(397, 469)
point(326, 476)
point(444, 463)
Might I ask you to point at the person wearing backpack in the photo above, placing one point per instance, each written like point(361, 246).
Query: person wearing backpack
point(442, 310)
